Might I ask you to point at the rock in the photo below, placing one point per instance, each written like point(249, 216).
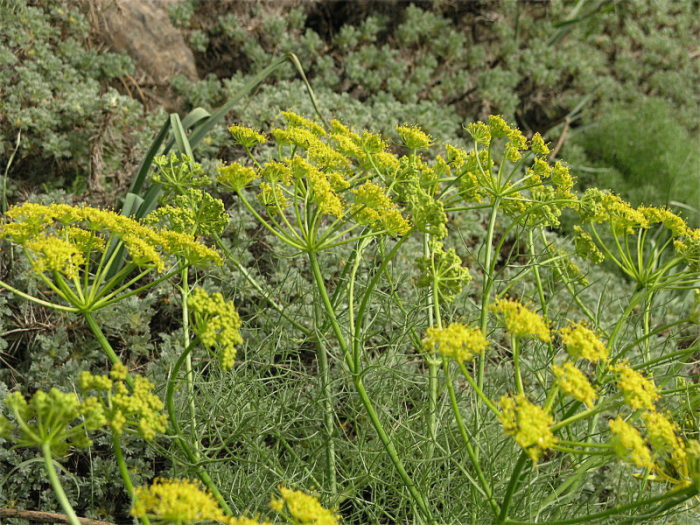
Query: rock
point(142, 29)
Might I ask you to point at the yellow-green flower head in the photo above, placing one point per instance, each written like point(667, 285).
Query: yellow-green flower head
point(583, 343)
point(538, 146)
point(54, 254)
point(414, 138)
point(455, 157)
point(326, 157)
point(456, 341)
point(575, 383)
point(176, 501)
point(375, 208)
point(298, 137)
point(498, 127)
point(372, 143)
point(348, 147)
point(55, 418)
point(217, 324)
point(528, 424)
point(194, 212)
point(298, 121)
point(386, 162)
point(602, 207)
point(480, 132)
point(662, 434)
point(585, 247)
point(520, 321)
point(640, 392)
point(443, 267)
point(277, 172)
point(246, 137)
point(324, 196)
point(135, 408)
point(302, 509)
point(629, 445)
point(561, 178)
point(146, 246)
point(235, 176)
point(177, 172)
point(672, 222)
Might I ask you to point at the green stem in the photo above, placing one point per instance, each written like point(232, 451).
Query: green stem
point(516, 364)
point(189, 372)
point(192, 456)
point(362, 392)
point(327, 403)
point(124, 472)
point(485, 487)
point(512, 486)
point(37, 300)
point(56, 485)
point(100, 336)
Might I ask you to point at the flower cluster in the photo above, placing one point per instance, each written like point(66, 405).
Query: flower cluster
point(194, 212)
point(178, 172)
point(444, 271)
point(217, 324)
point(583, 343)
point(302, 509)
point(528, 424)
point(52, 418)
point(126, 407)
point(575, 383)
point(629, 444)
point(55, 225)
point(520, 321)
point(181, 501)
point(640, 392)
point(456, 341)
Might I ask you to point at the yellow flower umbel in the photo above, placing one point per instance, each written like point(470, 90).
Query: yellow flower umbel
point(629, 444)
point(456, 341)
point(583, 343)
point(125, 408)
point(639, 391)
point(528, 424)
point(217, 324)
point(72, 248)
point(414, 138)
point(520, 321)
point(246, 137)
point(178, 501)
point(302, 509)
point(667, 445)
point(575, 383)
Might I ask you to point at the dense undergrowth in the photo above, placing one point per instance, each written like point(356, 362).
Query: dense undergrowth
point(267, 422)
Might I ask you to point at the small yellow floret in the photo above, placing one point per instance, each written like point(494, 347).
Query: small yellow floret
point(456, 341)
point(583, 343)
point(217, 324)
point(176, 501)
point(520, 321)
point(246, 137)
point(629, 444)
point(575, 383)
point(297, 120)
point(236, 176)
point(528, 424)
point(304, 509)
point(639, 391)
point(414, 138)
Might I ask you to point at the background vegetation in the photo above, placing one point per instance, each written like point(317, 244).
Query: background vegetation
point(612, 85)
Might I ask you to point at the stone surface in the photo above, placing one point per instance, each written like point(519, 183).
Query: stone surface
point(142, 29)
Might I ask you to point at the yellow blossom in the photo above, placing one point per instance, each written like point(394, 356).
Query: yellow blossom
point(297, 120)
point(235, 176)
point(53, 254)
point(639, 391)
point(302, 508)
point(520, 321)
point(216, 323)
point(575, 383)
point(246, 137)
point(456, 341)
point(583, 343)
point(629, 444)
point(414, 138)
point(528, 424)
point(176, 501)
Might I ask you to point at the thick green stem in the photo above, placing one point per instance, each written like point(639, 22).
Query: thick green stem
point(516, 364)
point(327, 403)
point(189, 372)
point(56, 485)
